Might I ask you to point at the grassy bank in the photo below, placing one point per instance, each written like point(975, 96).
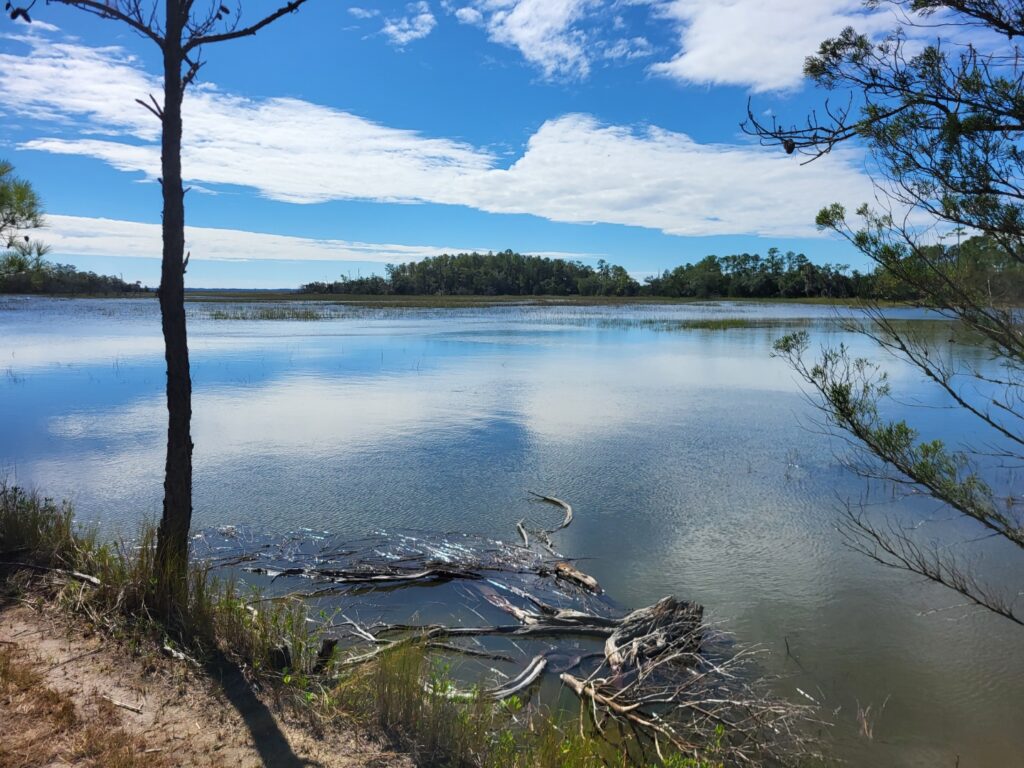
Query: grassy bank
point(402, 692)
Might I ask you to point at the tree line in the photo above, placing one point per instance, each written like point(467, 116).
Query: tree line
point(24, 270)
point(489, 274)
point(745, 275)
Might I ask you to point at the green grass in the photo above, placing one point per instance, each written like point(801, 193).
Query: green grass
point(402, 692)
point(720, 324)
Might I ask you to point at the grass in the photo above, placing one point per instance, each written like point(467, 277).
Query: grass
point(268, 313)
point(403, 692)
point(722, 324)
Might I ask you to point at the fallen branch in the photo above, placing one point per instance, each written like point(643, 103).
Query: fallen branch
point(569, 573)
point(523, 680)
point(469, 651)
point(122, 705)
point(73, 574)
point(589, 691)
point(558, 503)
point(174, 653)
point(368, 576)
point(522, 532)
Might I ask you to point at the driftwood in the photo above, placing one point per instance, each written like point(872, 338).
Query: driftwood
point(71, 574)
point(567, 520)
point(653, 676)
point(668, 626)
point(174, 653)
point(565, 571)
point(525, 679)
point(369, 576)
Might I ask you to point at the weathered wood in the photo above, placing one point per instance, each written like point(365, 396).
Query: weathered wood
point(522, 532)
point(648, 633)
point(523, 680)
point(630, 712)
point(63, 572)
point(566, 507)
point(570, 573)
point(325, 654)
point(123, 705)
point(550, 615)
point(370, 576)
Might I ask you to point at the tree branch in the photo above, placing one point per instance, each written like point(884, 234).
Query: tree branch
point(112, 12)
point(195, 42)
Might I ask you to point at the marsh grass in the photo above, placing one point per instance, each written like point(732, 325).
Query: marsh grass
point(217, 615)
point(732, 323)
point(268, 313)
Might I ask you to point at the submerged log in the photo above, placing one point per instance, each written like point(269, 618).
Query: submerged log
point(524, 679)
point(370, 576)
point(568, 572)
point(566, 507)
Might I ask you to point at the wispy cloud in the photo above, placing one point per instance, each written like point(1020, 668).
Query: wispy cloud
point(363, 13)
point(573, 169)
point(85, 236)
point(627, 48)
point(419, 23)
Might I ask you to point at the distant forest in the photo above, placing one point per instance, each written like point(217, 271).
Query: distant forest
point(777, 275)
point(24, 270)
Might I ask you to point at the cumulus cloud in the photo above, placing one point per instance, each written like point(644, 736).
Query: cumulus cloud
point(759, 44)
point(755, 44)
point(419, 23)
point(577, 169)
point(573, 169)
point(469, 15)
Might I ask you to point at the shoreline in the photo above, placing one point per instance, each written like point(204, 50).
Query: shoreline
point(410, 301)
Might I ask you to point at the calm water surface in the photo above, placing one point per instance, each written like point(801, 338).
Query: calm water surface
point(691, 457)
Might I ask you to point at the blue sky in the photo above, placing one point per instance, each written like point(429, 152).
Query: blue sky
point(346, 136)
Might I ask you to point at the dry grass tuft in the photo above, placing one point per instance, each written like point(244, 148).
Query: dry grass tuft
point(41, 726)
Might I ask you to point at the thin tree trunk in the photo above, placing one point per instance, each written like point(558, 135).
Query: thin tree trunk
point(172, 542)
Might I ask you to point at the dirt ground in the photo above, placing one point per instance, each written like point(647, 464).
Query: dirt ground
point(68, 698)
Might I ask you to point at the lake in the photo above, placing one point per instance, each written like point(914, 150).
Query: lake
point(693, 461)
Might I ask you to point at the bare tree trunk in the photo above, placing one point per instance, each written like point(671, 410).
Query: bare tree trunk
point(172, 542)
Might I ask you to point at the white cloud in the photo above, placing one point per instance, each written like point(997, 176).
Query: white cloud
point(574, 168)
point(632, 48)
point(418, 24)
point(544, 31)
point(363, 13)
point(38, 26)
point(469, 15)
point(760, 44)
point(82, 236)
point(577, 169)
